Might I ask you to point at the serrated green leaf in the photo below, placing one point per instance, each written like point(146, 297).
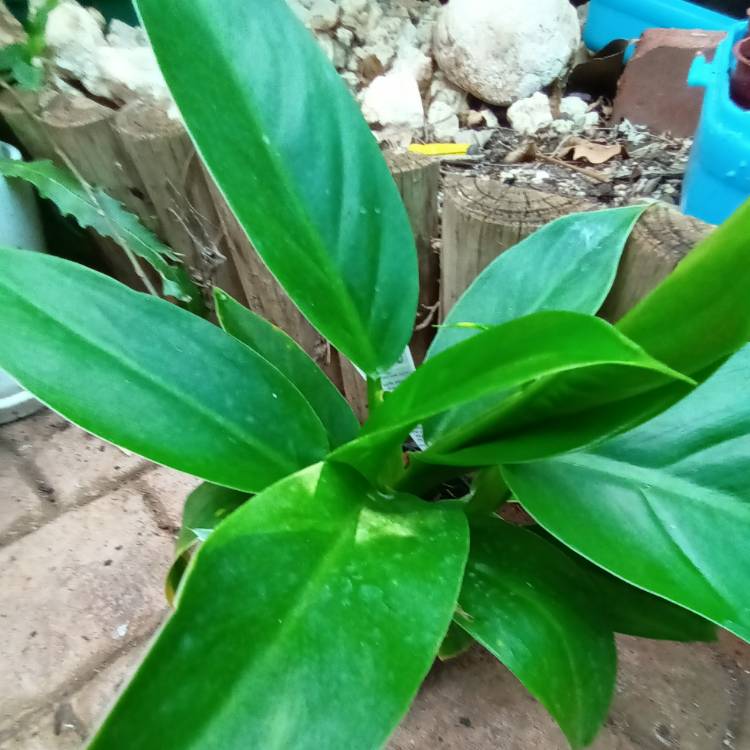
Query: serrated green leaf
point(320, 589)
point(523, 600)
point(108, 218)
point(292, 361)
point(141, 373)
point(568, 264)
point(666, 506)
point(297, 164)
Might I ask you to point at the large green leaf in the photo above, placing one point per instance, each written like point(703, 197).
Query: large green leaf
point(568, 264)
point(692, 321)
point(96, 210)
point(308, 620)
point(289, 148)
point(291, 360)
point(529, 348)
point(632, 611)
point(666, 506)
point(143, 374)
point(525, 602)
point(701, 313)
point(205, 508)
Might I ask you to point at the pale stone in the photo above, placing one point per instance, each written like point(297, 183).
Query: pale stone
point(323, 15)
point(443, 121)
point(393, 101)
point(528, 116)
point(505, 53)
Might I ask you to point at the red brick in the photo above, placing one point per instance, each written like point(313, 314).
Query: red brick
point(653, 90)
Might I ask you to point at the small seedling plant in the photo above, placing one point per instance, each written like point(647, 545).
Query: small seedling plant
point(319, 572)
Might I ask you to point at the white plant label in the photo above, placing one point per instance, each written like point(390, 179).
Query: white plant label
point(393, 378)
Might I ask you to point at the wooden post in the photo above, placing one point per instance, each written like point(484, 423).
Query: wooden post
point(482, 218)
point(178, 189)
point(660, 240)
point(418, 181)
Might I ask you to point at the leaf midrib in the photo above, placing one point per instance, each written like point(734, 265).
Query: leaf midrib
point(343, 534)
point(180, 396)
point(350, 311)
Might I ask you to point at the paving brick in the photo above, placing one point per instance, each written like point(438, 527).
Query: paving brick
point(73, 592)
point(76, 465)
point(668, 695)
point(169, 489)
point(653, 90)
point(20, 506)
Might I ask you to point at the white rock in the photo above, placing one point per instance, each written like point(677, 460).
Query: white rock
point(323, 15)
point(442, 90)
point(490, 118)
point(477, 138)
point(393, 101)
point(502, 52)
point(575, 109)
point(121, 66)
point(527, 116)
point(443, 121)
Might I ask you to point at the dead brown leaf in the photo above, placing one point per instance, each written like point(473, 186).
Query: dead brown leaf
point(579, 149)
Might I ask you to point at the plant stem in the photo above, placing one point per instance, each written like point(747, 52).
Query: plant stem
point(374, 394)
point(489, 491)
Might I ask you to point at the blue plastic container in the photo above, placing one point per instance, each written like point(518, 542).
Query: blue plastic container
point(628, 19)
point(717, 181)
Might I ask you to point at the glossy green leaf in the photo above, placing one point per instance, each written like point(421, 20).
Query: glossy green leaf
point(530, 347)
point(205, 508)
point(456, 642)
point(523, 600)
point(96, 210)
point(568, 264)
point(143, 374)
point(297, 164)
point(701, 313)
point(319, 594)
point(292, 361)
point(692, 321)
point(666, 506)
point(632, 611)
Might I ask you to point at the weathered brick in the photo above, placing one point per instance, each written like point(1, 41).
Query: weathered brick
point(20, 506)
point(76, 465)
point(653, 90)
point(668, 695)
point(73, 592)
point(169, 489)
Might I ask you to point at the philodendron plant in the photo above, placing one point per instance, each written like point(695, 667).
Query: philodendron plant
point(320, 573)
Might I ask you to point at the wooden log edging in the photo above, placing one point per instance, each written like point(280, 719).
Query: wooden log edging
point(483, 217)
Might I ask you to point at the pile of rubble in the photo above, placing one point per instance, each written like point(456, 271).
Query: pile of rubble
point(422, 70)
point(426, 70)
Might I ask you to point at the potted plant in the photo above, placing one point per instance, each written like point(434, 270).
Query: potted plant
point(320, 569)
point(20, 227)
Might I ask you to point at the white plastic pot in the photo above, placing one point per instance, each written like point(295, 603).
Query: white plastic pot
point(20, 227)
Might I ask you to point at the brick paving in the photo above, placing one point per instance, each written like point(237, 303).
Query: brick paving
point(86, 533)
